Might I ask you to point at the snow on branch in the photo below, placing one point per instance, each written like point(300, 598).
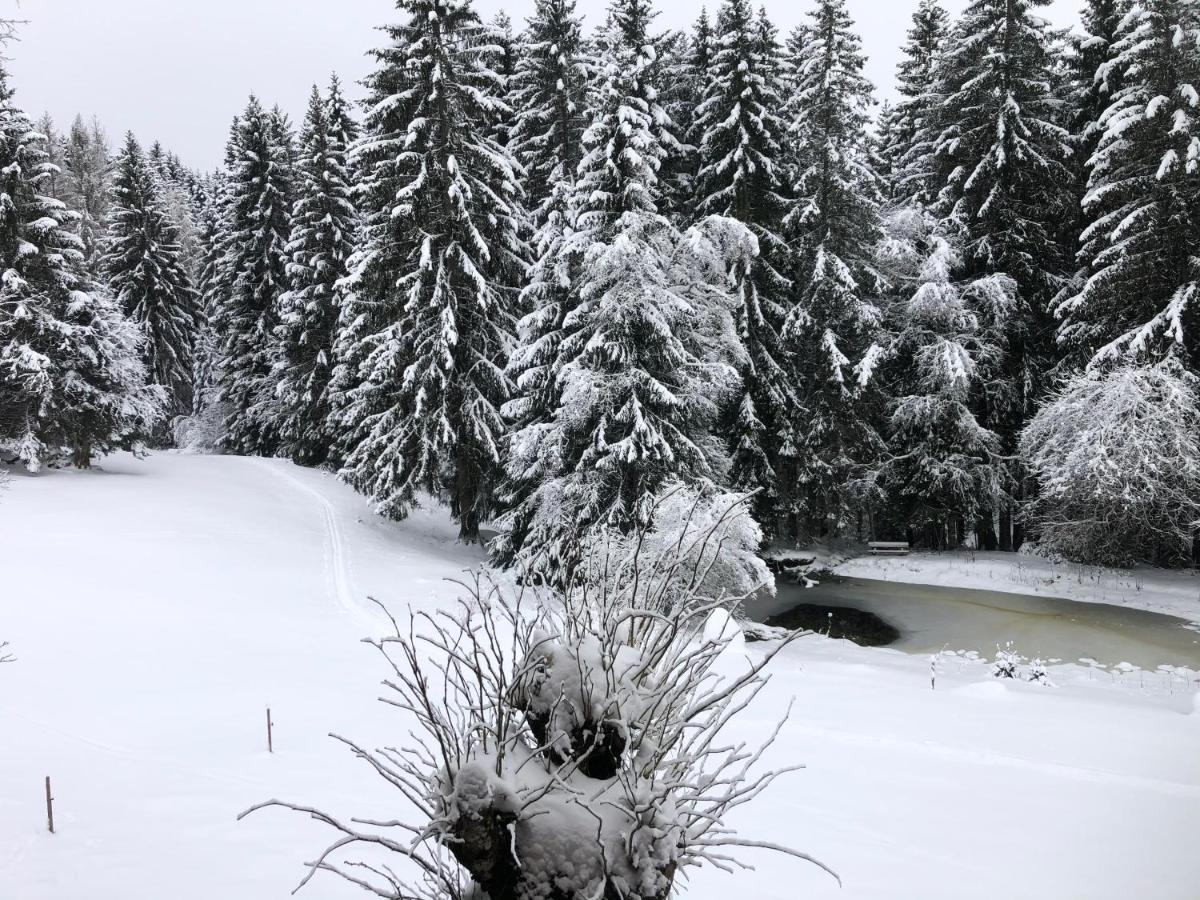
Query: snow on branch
point(566, 746)
point(1117, 460)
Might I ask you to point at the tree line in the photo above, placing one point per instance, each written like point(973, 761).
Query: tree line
point(556, 275)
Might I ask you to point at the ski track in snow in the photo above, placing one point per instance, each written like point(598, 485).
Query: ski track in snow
point(338, 577)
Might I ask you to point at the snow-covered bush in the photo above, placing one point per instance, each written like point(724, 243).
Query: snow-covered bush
point(202, 432)
point(698, 545)
point(1116, 456)
point(1038, 673)
point(564, 747)
point(1008, 662)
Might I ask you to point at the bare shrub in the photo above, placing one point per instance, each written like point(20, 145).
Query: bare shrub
point(565, 746)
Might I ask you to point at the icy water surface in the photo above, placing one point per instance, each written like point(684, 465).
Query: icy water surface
point(935, 618)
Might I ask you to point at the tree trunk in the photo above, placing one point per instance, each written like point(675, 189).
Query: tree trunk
point(466, 499)
point(986, 531)
point(1019, 524)
point(1006, 543)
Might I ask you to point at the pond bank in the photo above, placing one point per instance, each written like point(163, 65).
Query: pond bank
point(932, 618)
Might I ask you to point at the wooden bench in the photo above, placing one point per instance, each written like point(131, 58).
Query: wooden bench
point(888, 548)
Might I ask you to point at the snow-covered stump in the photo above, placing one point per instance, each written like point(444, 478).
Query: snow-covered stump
point(566, 747)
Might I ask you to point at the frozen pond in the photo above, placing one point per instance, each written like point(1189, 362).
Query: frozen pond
point(929, 619)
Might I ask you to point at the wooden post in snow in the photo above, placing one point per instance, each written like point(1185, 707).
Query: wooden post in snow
point(270, 737)
point(49, 806)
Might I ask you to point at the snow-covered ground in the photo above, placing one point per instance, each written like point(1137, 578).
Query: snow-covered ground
point(157, 607)
point(1173, 592)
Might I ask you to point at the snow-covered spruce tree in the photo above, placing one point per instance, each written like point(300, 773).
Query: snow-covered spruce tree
point(510, 47)
point(549, 98)
point(1090, 78)
point(669, 78)
point(182, 197)
point(1116, 455)
point(909, 150)
point(641, 360)
point(1137, 295)
point(579, 748)
point(686, 60)
point(433, 285)
point(141, 264)
point(553, 81)
point(1005, 189)
point(834, 228)
point(71, 374)
point(343, 126)
point(324, 230)
point(1094, 79)
point(737, 131)
point(86, 182)
point(253, 275)
point(942, 467)
point(212, 285)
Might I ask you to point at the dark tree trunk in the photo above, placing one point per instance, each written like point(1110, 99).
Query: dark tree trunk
point(986, 531)
point(1006, 542)
point(466, 498)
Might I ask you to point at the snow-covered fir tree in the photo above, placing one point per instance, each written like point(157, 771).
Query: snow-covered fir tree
point(687, 61)
point(71, 374)
point(552, 94)
point(834, 228)
point(211, 286)
point(1137, 295)
point(182, 197)
point(741, 174)
point(943, 468)
point(1094, 78)
point(141, 264)
point(81, 179)
point(324, 230)
point(637, 371)
point(87, 176)
point(253, 275)
point(52, 144)
point(1000, 154)
point(550, 99)
point(432, 289)
point(670, 78)
point(1089, 78)
point(1000, 149)
point(908, 150)
point(510, 47)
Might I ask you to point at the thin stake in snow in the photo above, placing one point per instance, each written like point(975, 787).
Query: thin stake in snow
point(270, 730)
point(49, 806)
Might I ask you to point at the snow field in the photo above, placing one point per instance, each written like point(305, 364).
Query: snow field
point(157, 607)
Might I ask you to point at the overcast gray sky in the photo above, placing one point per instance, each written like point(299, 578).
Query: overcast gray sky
point(178, 70)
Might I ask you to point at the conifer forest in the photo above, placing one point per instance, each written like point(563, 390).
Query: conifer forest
point(671, 337)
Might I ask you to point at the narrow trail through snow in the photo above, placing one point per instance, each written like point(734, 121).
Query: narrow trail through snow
point(338, 576)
